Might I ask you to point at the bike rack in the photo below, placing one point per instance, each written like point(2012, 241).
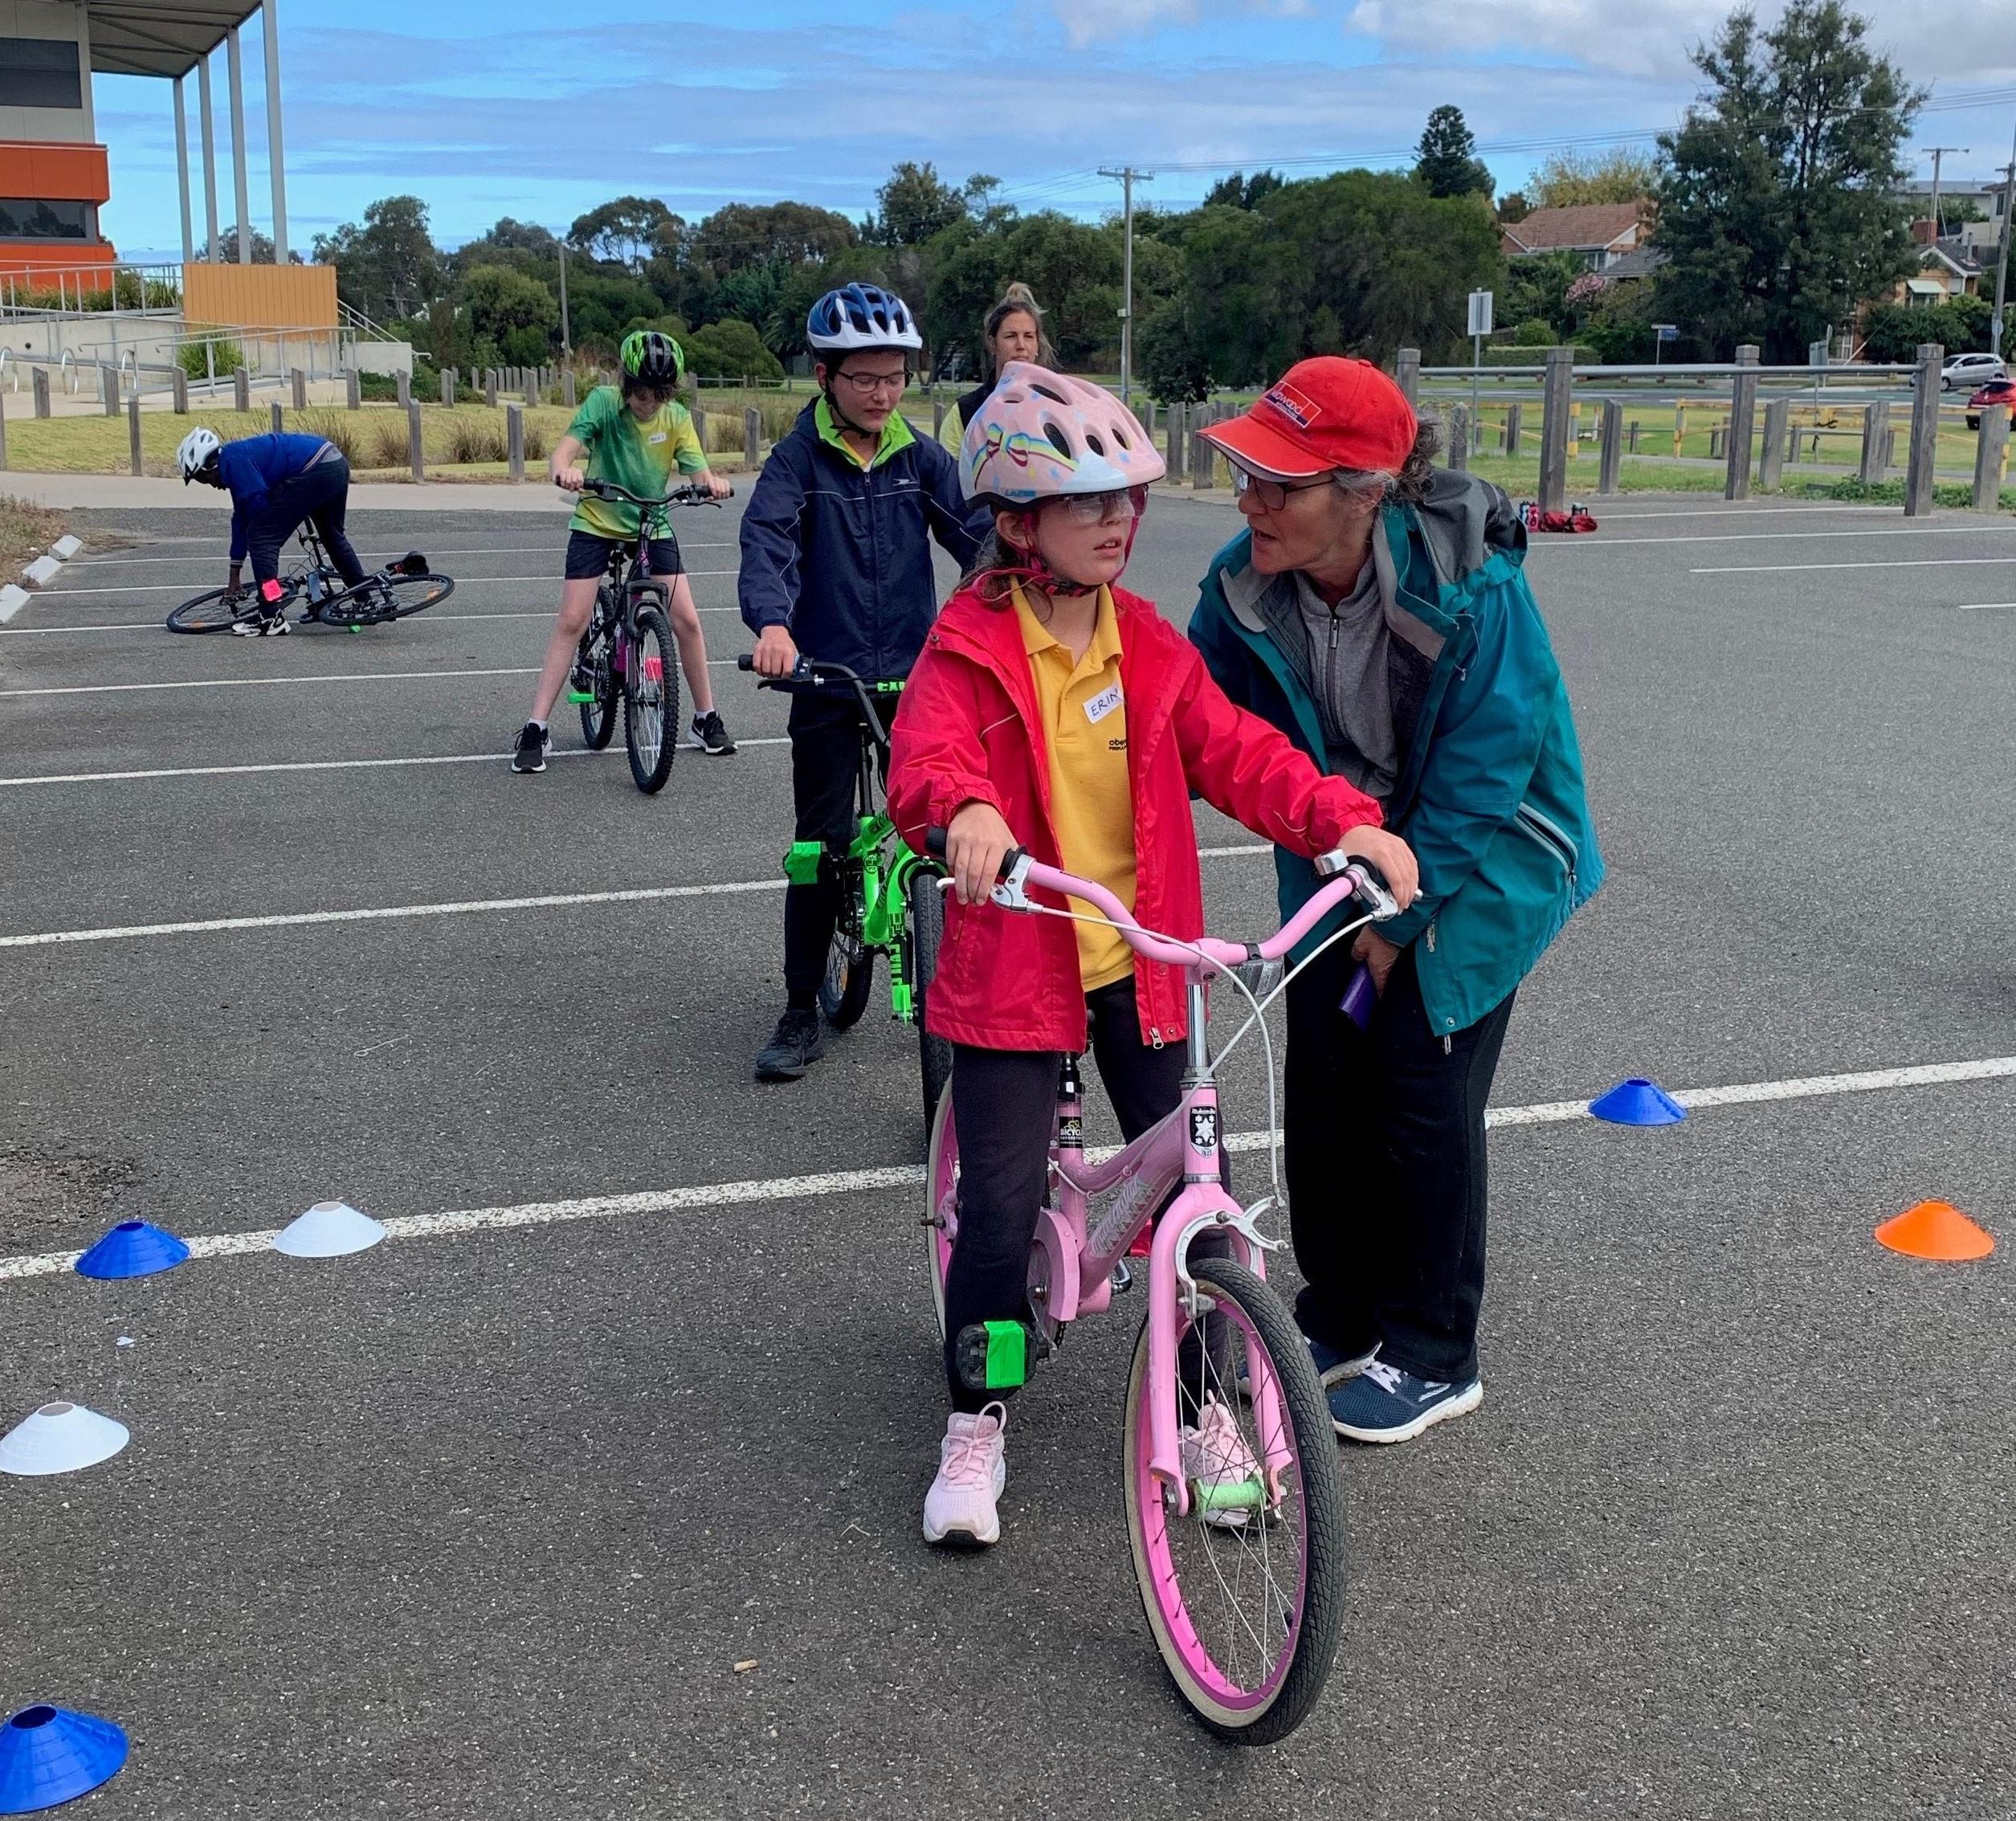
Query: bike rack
point(6, 354)
point(66, 370)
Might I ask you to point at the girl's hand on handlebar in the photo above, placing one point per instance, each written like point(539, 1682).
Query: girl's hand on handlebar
point(977, 840)
point(1392, 857)
point(720, 488)
point(777, 654)
point(570, 479)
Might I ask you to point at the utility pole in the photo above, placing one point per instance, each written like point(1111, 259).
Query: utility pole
point(2001, 262)
point(1938, 152)
point(1127, 177)
point(566, 341)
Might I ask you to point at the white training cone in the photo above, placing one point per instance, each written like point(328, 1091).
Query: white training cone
point(328, 1230)
point(60, 1438)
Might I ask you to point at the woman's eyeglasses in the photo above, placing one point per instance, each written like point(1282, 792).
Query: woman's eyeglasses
point(1099, 508)
point(1272, 495)
point(867, 385)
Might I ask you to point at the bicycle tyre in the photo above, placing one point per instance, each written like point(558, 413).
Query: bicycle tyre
point(598, 713)
point(942, 1205)
point(1284, 1695)
point(218, 611)
point(927, 932)
point(849, 963)
point(392, 597)
point(650, 702)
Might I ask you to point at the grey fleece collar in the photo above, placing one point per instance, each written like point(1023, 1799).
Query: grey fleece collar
point(1247, 591)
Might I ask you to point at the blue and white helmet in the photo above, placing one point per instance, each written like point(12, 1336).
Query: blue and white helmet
point(860, 316)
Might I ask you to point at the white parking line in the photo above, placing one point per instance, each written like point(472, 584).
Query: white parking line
point(379, 913)
point(1789, 537)
point(155, 588)
point(487, 550)
point(1985, 606)
point(327, 764)
point(1735, 512)
point(453, 1222)
point(278, 682)
point(1896, 562)
point(155, 625)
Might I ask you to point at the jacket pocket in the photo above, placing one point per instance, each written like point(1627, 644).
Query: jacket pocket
point(1551, 835)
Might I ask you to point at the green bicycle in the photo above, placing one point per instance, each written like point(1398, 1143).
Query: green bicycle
point(890, 902)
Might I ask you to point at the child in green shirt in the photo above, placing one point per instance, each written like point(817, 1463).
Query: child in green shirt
point(638, 437)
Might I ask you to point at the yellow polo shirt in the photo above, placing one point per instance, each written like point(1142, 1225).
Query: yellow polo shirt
point(1091, 799)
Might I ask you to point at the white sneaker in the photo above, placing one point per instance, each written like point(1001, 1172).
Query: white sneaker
point(972, 1470)
point(1224, 1476)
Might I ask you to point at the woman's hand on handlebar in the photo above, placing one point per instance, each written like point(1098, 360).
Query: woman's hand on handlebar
point(1392, 857)
point(570, 479)
point(776, 653)
point(976, 841)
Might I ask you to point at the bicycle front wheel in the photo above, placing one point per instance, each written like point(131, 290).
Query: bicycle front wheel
point(650, 701)
point(218, 611)
point(849, 963)
point(1244, 1592)
point(383, 598)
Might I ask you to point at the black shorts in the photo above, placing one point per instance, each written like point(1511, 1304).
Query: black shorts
point(588, 556)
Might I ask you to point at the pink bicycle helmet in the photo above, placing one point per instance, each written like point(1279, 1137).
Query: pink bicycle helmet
point(1042, 435)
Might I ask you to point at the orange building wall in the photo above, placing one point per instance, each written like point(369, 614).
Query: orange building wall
point(44, 172)
point(260, 296)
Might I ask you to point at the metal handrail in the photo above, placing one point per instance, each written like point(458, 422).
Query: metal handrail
point(1690, 368)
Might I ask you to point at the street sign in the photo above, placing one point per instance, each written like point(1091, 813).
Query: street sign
point(1666, 331)
point(1479, 312)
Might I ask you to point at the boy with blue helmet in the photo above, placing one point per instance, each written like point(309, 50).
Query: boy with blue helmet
point(836, 557)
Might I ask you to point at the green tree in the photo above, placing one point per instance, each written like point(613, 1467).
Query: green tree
point(1514, 208)
point(513, 320)
point(1894, 331)
point(1572, 180)
point(746, 234)
point(262, 244)
point(1174, 363)
point(1776, 203)
point(1536, 288)
point(1239, 191)
point(913, 206)
point(731, 349)
point(388, 266)
point(1446, 163)
point(624, 232)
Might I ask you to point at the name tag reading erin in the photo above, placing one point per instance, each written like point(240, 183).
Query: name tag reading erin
point(1104, 704)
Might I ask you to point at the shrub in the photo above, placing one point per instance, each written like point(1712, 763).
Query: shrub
point(474, 437)
point(731, 349)
point(195, 362)
point(339, 427)
point(537, 448)
point(388, 444)
point(1535, 333)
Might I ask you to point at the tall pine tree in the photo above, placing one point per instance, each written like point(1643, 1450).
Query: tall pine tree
point(1446, 163)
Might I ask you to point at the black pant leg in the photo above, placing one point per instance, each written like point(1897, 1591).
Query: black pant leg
point(1338, 1179)
point(825, 756)
point(1004, 1103)
point(330, 485)
point(1430, 1110)
point(269, 528)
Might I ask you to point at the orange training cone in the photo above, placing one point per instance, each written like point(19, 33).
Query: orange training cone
point(1936, 1229)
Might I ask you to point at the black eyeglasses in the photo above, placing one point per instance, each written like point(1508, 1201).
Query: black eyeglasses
point(1273, 494)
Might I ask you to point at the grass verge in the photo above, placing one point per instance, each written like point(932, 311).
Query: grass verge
point(25, 530)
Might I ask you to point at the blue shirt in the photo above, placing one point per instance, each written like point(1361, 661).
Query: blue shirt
point(252, 467)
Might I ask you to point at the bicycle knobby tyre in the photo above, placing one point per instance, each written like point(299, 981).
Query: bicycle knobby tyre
point(218, 611)
point(650, 701)
point(595, 657)
point(1252, 1683)
point(850, 964)
point(927, 931)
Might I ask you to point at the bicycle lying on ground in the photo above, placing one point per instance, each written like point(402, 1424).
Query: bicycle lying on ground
point(889, 900)
point(627, 653)
point(405, 586)
point(1235, 1512)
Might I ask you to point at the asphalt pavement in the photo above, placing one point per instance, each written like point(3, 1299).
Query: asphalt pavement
point(480, 1523)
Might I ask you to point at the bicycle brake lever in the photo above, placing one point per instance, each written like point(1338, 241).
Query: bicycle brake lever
point(1011, 893)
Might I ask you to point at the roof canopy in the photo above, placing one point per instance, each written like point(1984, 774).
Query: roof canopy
point(158, 36)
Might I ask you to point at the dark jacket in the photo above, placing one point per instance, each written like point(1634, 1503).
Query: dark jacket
point(253, 466)
point(1491, 799)
point(841, 555)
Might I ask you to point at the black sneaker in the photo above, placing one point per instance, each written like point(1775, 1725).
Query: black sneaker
point(710, 736)
point(262, 626)
point(533, 743)
point(800, 1042)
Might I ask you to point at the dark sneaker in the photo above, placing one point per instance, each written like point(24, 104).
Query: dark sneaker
point(262, 626)
point(710, 736)
point(534, 742)
point(1334, 1368)
point(800, 1041)
point(1385, 1404)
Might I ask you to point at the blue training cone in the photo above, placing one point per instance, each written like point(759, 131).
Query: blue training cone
point(133, 1248)
point(1637, 1102)
point(49, 1754)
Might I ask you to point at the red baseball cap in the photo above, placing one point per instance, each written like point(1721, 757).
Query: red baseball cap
point(1322, 413)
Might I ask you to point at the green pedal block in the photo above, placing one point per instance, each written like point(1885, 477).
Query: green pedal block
point(996, 1356)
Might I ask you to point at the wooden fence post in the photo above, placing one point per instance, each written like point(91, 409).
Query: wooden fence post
point(515, 439)
point(353, 391)
point(1735, 442)
point(1176, 450)
point(241, 389)
point(1613, 445)
point(1203, 460)
point(3, 435)
point(416, 449)
point(38, 382)
point(447, 387)
point(1515, 418)
point(108, 387)
point(275, 417)
point(1406, 373)
point(567, 389)
point(1991, 458)
point(1557, 396)
point(1874, 418)
point(1630, 437)
point(300, 390)
point(751, 435)
point(132, 431)
point(1771, 458)
point(490, 387)
point(178, 389)
point(937, 420)
point(1459, 438)
point(1924, 457)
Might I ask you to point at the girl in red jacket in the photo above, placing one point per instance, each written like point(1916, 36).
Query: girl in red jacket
point(1052, 711)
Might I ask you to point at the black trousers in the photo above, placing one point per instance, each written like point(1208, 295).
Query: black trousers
point(1004, 1105)
point(1385, 1132)
point(826, 756)
point(320, 493)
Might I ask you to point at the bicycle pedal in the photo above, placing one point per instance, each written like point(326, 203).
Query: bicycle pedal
point(996, 1356)
point(1123, 1279)
point(579, 696)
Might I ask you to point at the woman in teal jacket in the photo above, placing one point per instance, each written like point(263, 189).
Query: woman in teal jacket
point(1376, 610)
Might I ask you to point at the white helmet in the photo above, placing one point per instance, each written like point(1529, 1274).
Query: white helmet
point(199, 451)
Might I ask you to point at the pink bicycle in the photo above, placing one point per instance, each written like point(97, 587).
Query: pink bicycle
point(1234, 1512)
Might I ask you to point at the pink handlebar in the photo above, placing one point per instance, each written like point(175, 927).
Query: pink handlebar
point(1212, 948)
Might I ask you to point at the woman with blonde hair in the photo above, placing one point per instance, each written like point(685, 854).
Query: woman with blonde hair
point(1014, 331)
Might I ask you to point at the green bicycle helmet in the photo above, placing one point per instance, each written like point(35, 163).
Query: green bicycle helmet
point(653, 359)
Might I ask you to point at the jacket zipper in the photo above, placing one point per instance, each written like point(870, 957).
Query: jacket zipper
point(1550, 835)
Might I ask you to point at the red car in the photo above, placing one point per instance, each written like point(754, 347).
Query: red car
point(1995, 392)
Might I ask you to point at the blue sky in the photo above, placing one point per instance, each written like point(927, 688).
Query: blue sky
point(509, 107)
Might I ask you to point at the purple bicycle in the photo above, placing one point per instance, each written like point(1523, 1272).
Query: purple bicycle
point(1235, 1512)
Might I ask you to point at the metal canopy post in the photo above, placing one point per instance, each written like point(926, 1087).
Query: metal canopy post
point(206, 120)
point(234, 67)
point(181, 171)
point(275, 156)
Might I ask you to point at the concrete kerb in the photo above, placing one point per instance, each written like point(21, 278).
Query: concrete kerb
point(40, 573)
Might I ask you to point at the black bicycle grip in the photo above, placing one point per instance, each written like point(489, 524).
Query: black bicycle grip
point(934, 844)
point(747, 661)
